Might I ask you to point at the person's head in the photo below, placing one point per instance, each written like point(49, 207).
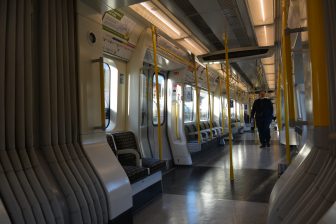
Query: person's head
point(262, 94)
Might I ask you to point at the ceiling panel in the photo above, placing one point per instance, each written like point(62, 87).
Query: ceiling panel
point(250, 70)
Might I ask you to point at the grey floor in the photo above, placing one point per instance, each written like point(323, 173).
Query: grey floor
point(203, 193)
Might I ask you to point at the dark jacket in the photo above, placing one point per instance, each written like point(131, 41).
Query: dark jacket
point(263, 110)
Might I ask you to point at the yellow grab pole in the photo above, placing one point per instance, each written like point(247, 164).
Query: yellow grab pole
point(157, 90)
point(286, 69)
point(278, 111)
point(177, 109)
point(209, 99)
point(197, 104)
point(317, 48)
point(221, 102)
point(288, 61)
point(229, 106)
point(102, 93)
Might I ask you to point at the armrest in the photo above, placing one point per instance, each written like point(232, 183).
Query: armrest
point(131, 151)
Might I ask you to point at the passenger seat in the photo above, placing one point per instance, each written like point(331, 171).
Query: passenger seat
point(133, 172)
point(126, 145)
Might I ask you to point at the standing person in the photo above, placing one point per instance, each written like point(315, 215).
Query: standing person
point(262, 110)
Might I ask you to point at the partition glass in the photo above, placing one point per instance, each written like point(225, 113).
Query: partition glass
point(161, 99)
point(188, 103)
point(110, 93)
point(204, 105)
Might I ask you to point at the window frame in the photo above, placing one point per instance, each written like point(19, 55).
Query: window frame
point(109, 94)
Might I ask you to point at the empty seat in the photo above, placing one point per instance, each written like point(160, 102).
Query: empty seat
point(135, 173)
point(126, 146)
point(128, 162)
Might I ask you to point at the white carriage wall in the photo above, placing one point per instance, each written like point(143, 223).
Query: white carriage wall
point(133, 88)
point(120, 120)
point(114, 179)
point(89, 21)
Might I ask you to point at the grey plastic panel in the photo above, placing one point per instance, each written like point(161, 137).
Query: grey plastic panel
point(4, 218)
point(330, 216)
point(43, 180)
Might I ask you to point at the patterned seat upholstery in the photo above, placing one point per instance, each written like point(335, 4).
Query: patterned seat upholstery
point(128, 162)
point(127, 140)
point(135, 173)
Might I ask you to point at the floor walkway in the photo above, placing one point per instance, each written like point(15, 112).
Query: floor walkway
point(204, 194)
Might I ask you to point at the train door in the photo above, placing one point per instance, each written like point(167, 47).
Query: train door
point(149, 117)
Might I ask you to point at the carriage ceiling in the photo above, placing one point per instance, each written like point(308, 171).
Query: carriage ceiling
point(209, 20)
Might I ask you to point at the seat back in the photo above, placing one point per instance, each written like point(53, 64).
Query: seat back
point(125, 140)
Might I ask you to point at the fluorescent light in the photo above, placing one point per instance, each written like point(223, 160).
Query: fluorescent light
point(262, 9)
point(269, 69)
point(261, 12)
point(158, 14)
point(158, 18)
point(271, 83)
point(268, 61)
point(191, 45)
point(265, 35)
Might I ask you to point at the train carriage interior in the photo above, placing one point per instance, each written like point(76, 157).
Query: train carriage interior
point(167, 111)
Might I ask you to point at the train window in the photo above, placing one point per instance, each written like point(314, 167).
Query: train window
point(188, 103)
point(110, 89)
point(204, 105)
point(216, 107)
point(161, 98)
point(107, 94)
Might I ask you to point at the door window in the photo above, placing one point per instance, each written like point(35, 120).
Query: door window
point(161, 99)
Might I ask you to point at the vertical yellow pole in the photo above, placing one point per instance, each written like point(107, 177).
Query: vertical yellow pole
point(197, 104)
point(221, 98)
point(228, 98)
point(317, 48)
point(177, 110)
point(287, 77)
point(102, 93)
point(278, 111)
point(209, 99)
point(288, 61)
point(157, 90)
